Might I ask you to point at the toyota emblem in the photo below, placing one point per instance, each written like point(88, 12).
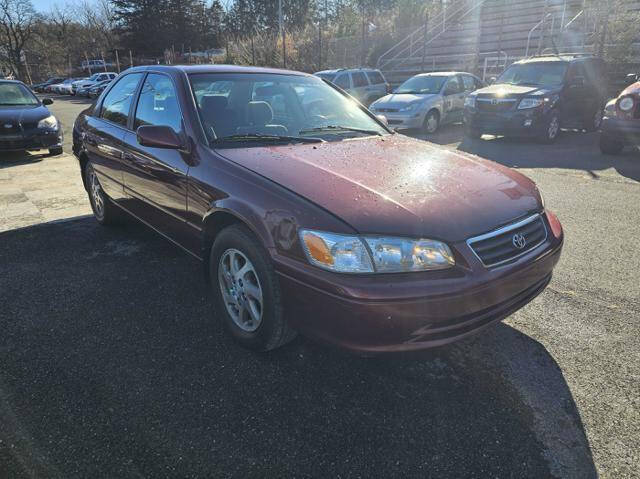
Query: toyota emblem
point(519, 241)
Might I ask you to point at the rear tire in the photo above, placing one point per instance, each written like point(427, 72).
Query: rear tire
point(609, 146)
point(104, 211)
point(593, 123)
point(246, 291)
point(55, 151)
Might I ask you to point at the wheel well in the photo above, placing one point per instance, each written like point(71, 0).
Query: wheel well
point(83, 164)
point(214, 224)
point(434, 109)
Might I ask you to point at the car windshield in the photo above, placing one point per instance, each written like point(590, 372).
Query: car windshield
point(534, 74)
point(14, 94)
point(422, 85)
point(256, 108)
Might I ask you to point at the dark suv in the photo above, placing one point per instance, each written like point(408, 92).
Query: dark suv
point(538, 96)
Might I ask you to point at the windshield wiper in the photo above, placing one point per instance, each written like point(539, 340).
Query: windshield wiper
point(261, 137)
point(338, 128)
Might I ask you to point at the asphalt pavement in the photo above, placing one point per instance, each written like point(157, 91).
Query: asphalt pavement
point(113, 363)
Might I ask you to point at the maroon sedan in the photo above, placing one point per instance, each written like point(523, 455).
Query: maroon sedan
point(310, 214)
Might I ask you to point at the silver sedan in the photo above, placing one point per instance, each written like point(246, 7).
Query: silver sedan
point(427, 100)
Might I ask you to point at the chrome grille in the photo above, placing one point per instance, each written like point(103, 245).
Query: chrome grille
point(387, 110)
point(495, 104)
point(506, 244)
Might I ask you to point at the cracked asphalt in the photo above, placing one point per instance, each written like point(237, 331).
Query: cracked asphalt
point(112, 363)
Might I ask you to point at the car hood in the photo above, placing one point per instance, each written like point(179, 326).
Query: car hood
point(397, 186)
point(633, 89)
point(401, 100)
point(506, 90)
point(22, 114)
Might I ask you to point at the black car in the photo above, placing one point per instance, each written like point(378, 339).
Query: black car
point(39, 87)
point(538, 96)
point(25, 122)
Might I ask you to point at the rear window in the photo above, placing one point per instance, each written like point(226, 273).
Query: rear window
point(375, 78)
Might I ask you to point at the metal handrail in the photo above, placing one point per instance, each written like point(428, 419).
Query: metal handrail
point(437, 23)
point(544, 19)
point(380, 65)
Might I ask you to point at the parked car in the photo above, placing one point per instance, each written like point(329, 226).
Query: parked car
point(621, 123)
point(538, 96)
point(364, 84)
point(58, 87)
point(91, 81)
point(39, 87)
point(95, 65)
point(66, 87)
point(427, 100)
point(25, 122)
point(383, 244)
point(96, 90)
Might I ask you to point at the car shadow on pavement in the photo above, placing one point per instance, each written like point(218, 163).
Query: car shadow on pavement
point(572, 150)
point(16, 158)
point(114, 366)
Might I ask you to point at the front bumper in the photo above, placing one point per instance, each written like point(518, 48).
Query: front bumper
point(525, 123)
point(400, 121)
point(407, 312)
point(626, 131)
point(36, 140)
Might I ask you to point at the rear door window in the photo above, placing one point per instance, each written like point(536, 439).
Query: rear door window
point(469, 83)
point(343, 81)
point(375, 78)
point(117, 103)
point(359, 79)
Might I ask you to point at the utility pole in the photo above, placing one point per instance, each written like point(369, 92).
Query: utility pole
point(281, 25)
point(118, 61)
point(362, 59)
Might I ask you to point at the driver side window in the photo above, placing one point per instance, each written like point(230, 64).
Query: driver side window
point(452, 87)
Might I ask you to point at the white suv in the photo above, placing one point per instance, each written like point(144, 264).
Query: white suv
point(92, 80)
point(366, 84)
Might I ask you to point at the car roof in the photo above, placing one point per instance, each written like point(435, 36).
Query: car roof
point(11, 81)
point(558, 58)
point(194, 69)
point(339, 70)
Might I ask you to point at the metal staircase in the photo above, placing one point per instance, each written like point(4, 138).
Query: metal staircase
point(485, 36)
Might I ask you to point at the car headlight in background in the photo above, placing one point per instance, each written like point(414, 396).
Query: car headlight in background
point(348, 254)
point(470, 101)
point(527, 103)
point(48, 123)
point(411, 107)
point(626, 104)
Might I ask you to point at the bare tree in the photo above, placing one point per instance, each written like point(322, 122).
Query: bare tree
point(18, 19)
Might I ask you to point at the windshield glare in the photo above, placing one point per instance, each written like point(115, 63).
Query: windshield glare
point(232, 104)
point(16, 94)
point(536, 74)
point(422, 85)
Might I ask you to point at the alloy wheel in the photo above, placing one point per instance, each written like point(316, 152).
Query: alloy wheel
point(241, 290)
point(431, 123)
point(96, 194)
point(554, 127)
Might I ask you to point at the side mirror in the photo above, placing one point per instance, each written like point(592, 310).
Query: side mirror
point(383, 119)
point(47, 101)
point(158, 137)
point(632, 78)
point(492, 80)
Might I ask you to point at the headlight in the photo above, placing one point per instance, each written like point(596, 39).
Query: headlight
point(626, 104)
point(411, 107)
point(49, 123)
point(348, 254)
point(470, 101)
point(526, 103)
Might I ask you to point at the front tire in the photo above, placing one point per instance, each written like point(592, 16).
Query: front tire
point(431, 122)
point(55, 151)
point(551, 129)
point(593, 123)
point(609, 146)
point(247, 291)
